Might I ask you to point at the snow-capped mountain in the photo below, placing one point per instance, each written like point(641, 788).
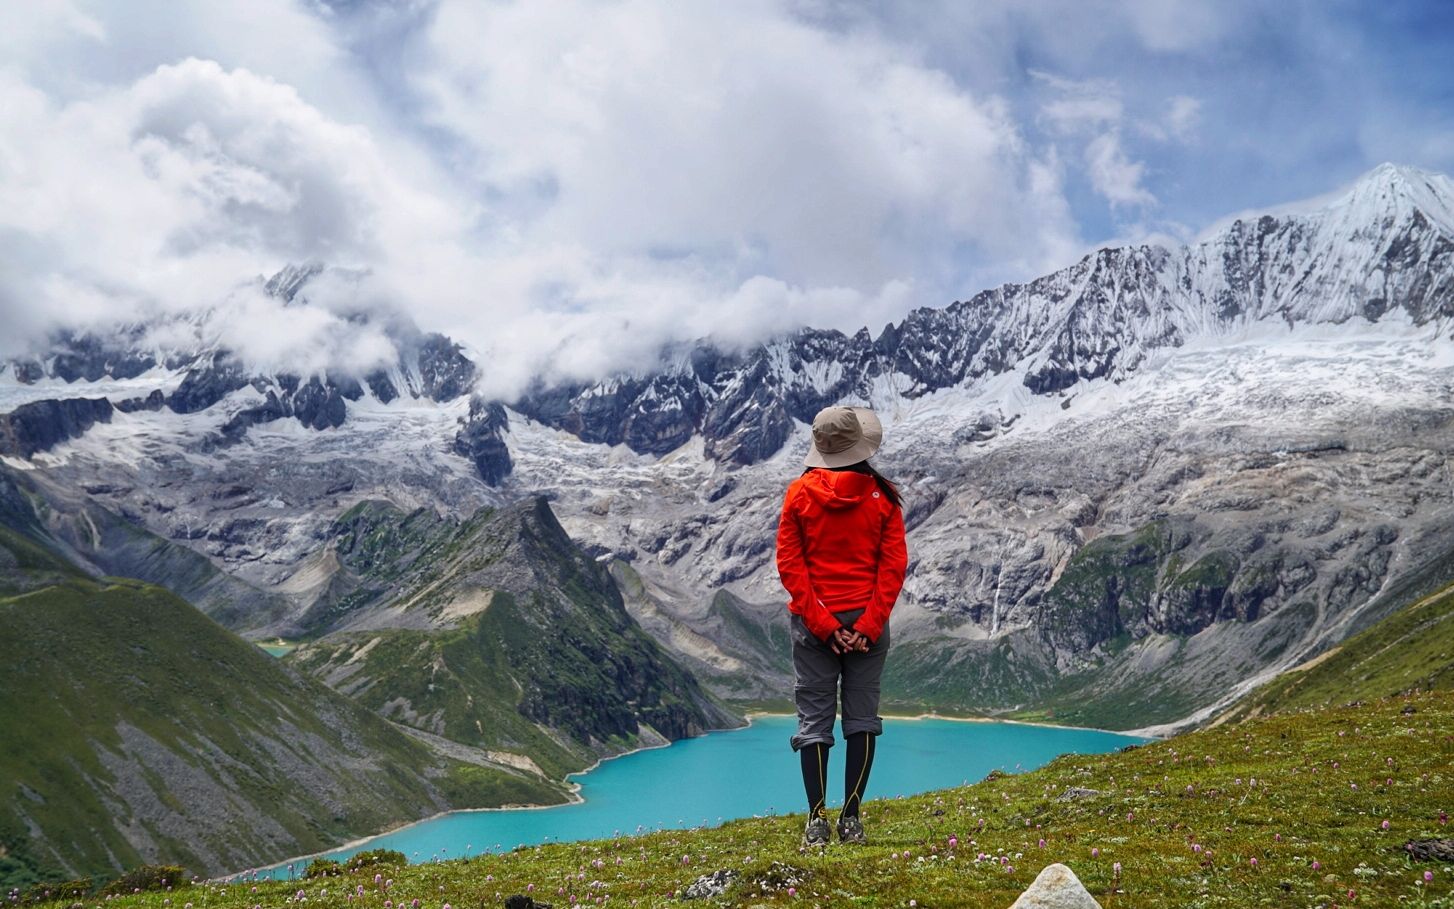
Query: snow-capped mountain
point(1386, 247)
point(1133, 485)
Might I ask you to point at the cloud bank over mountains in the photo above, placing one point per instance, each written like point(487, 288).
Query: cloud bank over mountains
point(567, 186)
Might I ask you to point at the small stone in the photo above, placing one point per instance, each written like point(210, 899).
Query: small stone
point(1441, 850)
point(709, 885)
point(1056, 887)
point(1077, 792)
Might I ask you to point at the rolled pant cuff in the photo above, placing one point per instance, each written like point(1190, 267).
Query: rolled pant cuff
point(872, 727)
point(800, 742)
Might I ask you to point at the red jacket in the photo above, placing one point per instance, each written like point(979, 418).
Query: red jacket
point(840, 546)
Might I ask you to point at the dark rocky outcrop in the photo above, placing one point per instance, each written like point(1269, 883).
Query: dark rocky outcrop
point(40, 425)
point(319, 406)
point(444, 369)
point(381, 385)
point(481, 440)
point(28, 371)
point(318, 403)
point(1441, 850)
point(87, 357)
point(156, 400)
point(206, 384)
point(271, 409)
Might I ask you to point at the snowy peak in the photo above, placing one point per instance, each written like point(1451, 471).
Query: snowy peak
point(286, 283)
point(1394, 193)
point(1392, 197)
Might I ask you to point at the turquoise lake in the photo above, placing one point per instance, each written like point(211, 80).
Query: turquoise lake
point(707, 780)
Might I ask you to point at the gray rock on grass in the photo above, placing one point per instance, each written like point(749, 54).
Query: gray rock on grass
point(709, 885)
point(1056, 887)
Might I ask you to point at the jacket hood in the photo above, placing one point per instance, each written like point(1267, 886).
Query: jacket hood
point(839, 488)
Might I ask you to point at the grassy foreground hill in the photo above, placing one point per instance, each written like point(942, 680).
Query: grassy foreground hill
point(1413, 648)
point(137, 729)
point(1306, 808)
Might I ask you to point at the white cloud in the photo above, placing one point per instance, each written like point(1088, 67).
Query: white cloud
point(169, 194)
point(1113, 175)
point(582, 183)
point(1092, 110)
point(1078, 106)
point(1182, 116)
point(1181, 25)
point(730, 131)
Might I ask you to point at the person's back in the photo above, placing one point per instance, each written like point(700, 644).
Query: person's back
point(849, 538)
point(841, 556)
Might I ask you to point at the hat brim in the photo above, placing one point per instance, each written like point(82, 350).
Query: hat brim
point(862, 450)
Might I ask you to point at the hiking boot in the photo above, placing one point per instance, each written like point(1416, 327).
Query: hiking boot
point(816, 833)
point(850, 829)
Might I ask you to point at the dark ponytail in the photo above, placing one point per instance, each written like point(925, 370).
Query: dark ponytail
point(885, 485)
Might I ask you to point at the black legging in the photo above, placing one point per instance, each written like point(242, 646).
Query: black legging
point(814, 759)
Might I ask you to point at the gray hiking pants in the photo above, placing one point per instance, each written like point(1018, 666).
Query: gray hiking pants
point(817, 671)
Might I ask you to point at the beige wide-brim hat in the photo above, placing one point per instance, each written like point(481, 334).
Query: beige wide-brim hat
point(843, 436)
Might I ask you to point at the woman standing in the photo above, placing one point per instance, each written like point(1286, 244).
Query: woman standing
point(841, 556)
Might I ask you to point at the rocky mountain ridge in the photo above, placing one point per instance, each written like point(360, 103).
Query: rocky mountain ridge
point(1386, 247)
point(1141, 482)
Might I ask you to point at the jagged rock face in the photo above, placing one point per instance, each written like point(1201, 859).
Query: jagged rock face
point(206, 384)
point(40, 425)
point(80, 356)
point(155, 400)
point(445, 371)
point(481, 440)
point(287, 283)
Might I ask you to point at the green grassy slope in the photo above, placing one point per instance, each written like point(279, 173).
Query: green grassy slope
point(136, 729)
point(457, 683)
point(1412, 648)
point(513, 639)
point(1305, 794)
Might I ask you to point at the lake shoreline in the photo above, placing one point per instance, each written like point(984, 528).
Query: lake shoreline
point(300, 862)
point(1133, 733)
point(575, 799)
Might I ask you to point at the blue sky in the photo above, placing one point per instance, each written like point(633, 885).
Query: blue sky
point(567, 185)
